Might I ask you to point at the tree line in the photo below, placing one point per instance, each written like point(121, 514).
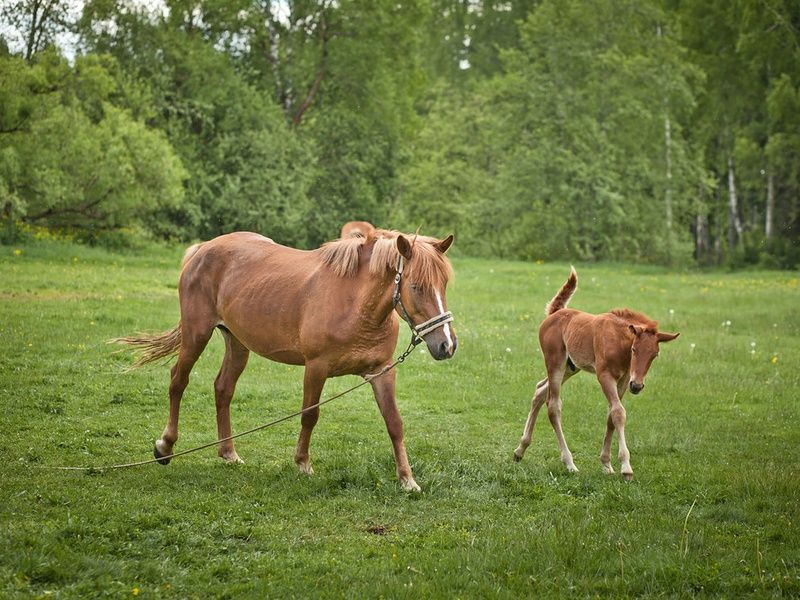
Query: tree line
point(636, 130)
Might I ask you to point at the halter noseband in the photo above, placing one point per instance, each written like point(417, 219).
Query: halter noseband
point(417, 331)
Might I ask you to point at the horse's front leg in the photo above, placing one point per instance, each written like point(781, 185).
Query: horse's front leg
point(384, 389)
point(313, 382)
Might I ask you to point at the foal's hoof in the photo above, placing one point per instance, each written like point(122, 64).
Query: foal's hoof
point(627, 476)
point(305, 467)
point(518, 454)
point(160, 456)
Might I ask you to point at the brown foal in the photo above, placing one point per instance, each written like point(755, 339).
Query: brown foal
point(618, 346)
point(331, 310)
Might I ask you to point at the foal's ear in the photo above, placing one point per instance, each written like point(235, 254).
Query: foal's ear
point(637, 331)
point(667, 337)
point(404, 247)
point(444, 244)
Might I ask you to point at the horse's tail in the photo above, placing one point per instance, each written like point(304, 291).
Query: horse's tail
point(150, 348)
point(564, 295)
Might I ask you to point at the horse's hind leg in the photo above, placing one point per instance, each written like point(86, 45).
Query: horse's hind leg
point(236, 355)
point(536, 403)
point(193, 342)
point(313, 382)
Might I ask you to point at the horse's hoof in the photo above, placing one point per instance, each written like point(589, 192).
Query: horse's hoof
point(608, 469)
point(160, 457)
point(233, 460)
point(409, 485)
point(517, 455)
point(305, 467)
point(627, 476)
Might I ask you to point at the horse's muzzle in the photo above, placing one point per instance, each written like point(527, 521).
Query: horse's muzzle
point(442, 350)
point(636, 387)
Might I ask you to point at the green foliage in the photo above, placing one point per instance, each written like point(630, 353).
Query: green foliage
point(596, 130)
point(71, 159)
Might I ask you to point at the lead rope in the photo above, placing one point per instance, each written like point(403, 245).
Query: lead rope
point(367, 379)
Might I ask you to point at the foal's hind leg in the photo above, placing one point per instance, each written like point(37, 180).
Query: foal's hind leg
point(232, 366)
point(193, 341)
point(313, 382)
point(539, 397)
point(556, 376)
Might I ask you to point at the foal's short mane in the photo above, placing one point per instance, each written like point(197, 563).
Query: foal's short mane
point(428, 267)
point(637, 318)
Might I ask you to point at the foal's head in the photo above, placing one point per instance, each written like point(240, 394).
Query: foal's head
point(643, 352)
point(422, 289)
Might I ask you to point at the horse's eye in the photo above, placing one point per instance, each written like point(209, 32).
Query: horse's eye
point(633, 350)
point(416, 288)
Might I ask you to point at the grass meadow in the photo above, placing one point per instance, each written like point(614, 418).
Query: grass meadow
point(713, 510)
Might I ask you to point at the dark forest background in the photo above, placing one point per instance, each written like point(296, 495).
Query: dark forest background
point(662, 132)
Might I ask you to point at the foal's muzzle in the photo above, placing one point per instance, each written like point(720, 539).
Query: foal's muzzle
point(636, 387)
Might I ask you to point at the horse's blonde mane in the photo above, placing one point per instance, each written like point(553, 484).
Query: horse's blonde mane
point(636, 318)
point(428, 267)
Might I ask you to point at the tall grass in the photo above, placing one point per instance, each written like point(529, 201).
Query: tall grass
point(715, 445)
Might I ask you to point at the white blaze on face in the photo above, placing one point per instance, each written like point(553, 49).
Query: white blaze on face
point(446, 327)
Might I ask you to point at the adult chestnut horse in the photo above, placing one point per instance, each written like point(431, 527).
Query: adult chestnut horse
point(618, 346)
point(331, 310)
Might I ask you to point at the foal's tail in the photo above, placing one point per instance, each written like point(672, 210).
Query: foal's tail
point(564, 295)
point(150, 348)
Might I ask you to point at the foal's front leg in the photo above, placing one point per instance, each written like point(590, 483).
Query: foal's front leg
point(616, 418)
point(384, 389)
point(605, 454)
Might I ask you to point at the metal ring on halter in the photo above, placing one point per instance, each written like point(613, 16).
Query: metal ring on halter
point(423, 329)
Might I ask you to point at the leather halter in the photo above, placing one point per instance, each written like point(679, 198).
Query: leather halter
point(417, 331)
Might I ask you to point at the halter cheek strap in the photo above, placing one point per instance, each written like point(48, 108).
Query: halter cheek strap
point(417, 331)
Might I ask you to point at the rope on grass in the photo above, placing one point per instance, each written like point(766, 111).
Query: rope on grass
point(367, 379)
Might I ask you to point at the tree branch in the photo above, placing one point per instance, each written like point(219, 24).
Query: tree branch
point(317, 83)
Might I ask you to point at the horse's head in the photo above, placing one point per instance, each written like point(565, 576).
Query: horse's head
point(421, 292)
point(643, 352)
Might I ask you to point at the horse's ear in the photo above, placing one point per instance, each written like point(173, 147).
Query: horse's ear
point(404, 247)
point(636, 330)
point(667, 337)
point(444, 244)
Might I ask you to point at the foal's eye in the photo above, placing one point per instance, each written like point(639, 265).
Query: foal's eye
point(416, 288)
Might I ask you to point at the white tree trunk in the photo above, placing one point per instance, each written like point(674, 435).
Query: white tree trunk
point(668, 193)
point(734, 224)
point(768, 225)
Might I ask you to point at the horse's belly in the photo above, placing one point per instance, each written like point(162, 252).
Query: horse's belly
point(287, 357)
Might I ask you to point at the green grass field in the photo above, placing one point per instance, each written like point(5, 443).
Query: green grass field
point(714, 509)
